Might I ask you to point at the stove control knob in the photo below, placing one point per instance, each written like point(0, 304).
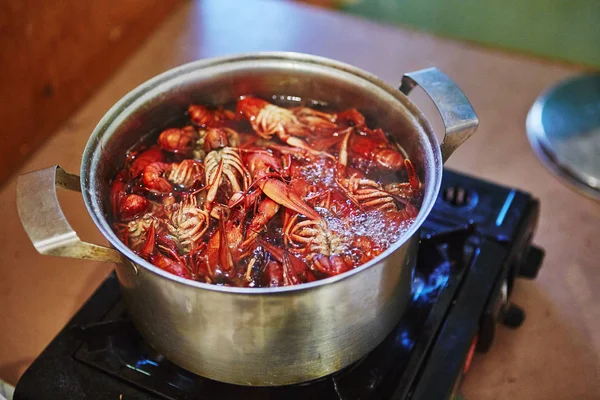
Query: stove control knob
point(531, 263)
point(458, 196)
point(513, 316)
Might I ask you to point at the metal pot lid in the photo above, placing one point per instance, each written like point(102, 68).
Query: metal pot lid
point(563, 127)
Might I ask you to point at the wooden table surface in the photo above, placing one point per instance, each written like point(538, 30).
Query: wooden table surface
point(554, 355)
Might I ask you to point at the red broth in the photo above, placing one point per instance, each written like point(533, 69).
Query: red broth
point(263, 195)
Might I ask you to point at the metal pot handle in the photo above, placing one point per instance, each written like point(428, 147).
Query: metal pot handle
point(456, 110)
point(44, 221)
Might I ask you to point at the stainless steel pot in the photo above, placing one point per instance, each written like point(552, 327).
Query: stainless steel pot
point(247, 336)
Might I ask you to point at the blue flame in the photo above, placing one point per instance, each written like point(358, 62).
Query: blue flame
point(145, 361)
point(425, 290)
point(505, 207)
point(403, 338)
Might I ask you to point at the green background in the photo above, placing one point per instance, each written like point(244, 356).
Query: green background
point(556, 29)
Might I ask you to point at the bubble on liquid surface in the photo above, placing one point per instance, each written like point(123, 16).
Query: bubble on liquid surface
point(320, 171)
point(378, 227)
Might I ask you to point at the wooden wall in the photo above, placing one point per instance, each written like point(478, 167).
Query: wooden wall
point(56, 53)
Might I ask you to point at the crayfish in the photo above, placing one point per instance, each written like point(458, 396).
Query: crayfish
point(264, 195)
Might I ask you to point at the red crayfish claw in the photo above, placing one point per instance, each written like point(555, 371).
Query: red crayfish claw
point(294, 270)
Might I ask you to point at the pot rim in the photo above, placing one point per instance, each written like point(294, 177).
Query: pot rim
point(147, 86)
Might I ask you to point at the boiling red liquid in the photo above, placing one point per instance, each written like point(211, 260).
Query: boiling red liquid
point(253, 233)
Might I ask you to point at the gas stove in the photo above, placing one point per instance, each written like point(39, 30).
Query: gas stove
point(474, 244)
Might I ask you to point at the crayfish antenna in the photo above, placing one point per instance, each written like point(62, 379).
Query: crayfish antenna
point(413, 178)
point(297, 142)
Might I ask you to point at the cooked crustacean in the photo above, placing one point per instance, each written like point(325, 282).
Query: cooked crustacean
point(259, 194)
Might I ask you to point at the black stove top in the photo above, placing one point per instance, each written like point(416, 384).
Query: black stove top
point(474, 244)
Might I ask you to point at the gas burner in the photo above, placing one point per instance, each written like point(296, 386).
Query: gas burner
point(474, 244)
